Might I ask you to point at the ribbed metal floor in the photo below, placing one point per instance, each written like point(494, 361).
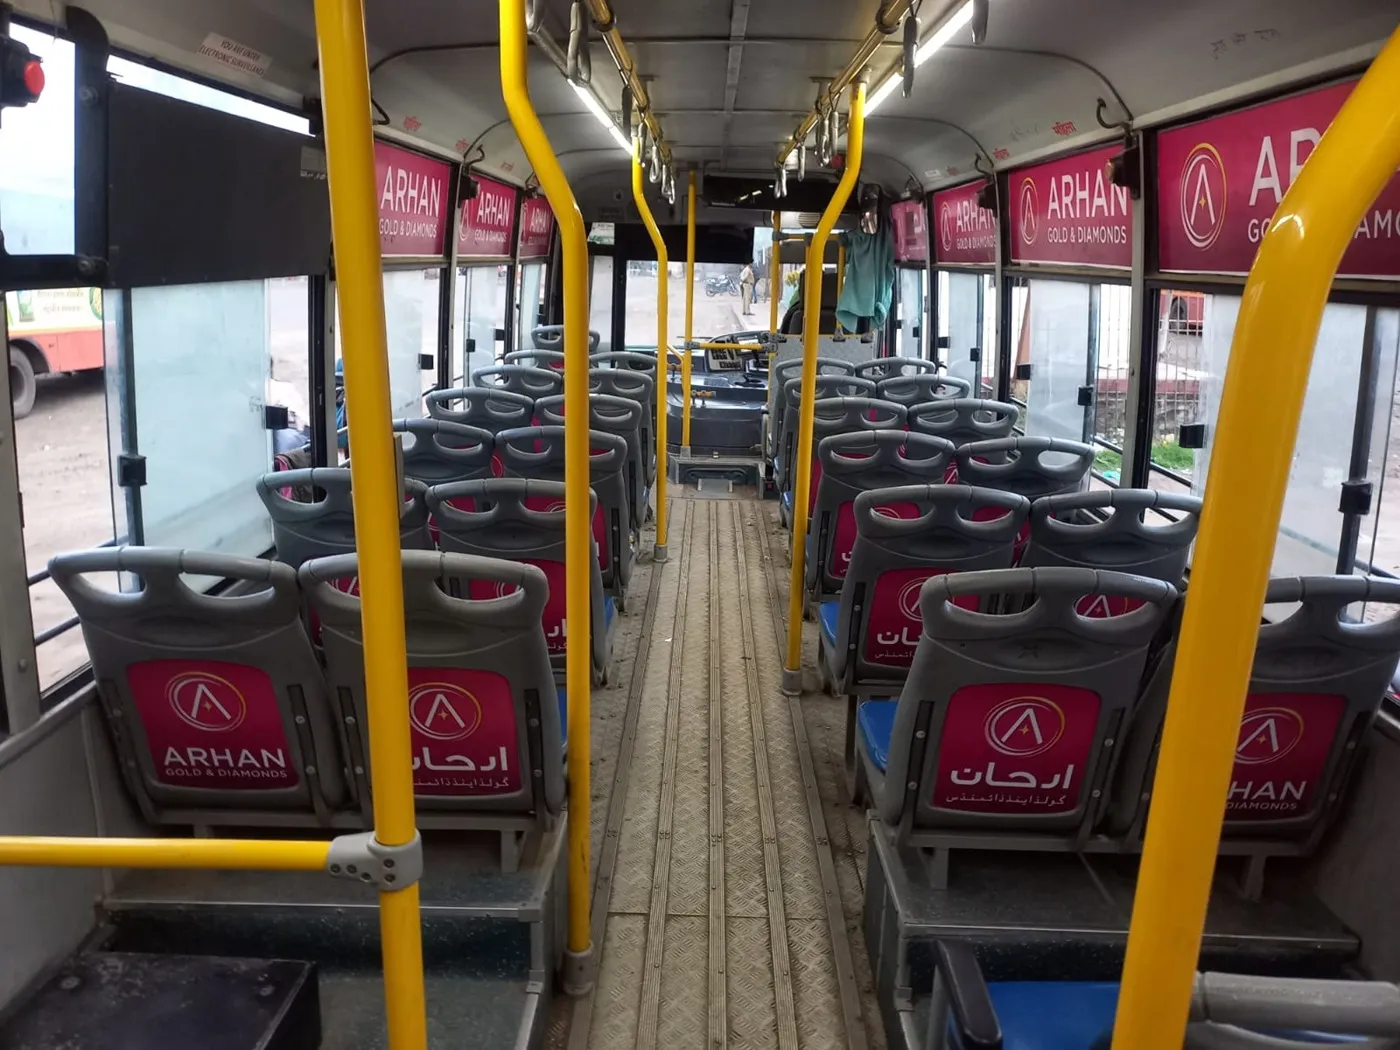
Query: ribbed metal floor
point(718, 919)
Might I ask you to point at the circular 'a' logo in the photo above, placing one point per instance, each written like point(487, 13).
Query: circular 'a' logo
point(206, 701)
point(1203, 196)
point(909, 600)
point(1024, 727)
point(444, 711)
point(1030, 211)
point(1267, 734)
point(945, 226)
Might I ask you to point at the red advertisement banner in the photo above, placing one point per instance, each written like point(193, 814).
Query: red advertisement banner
point(1221, 180)
point(536, 226)
point(1067, 211)
point(965, 233)
point(483, 230)
point(910, 231)
point(412, 201)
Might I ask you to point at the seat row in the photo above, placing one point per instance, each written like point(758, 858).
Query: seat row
point(223, 712)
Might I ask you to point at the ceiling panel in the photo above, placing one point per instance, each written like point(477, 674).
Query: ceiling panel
point(830, 19)
point(665, 18)
point(784, 77)
point(682, 76)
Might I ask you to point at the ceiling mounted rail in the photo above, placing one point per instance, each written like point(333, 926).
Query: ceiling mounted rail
point(605, 22)
point(887, 21)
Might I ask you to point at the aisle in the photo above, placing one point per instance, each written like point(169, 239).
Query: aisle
point(720, 900)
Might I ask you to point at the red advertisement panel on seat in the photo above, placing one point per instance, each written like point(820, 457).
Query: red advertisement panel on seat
point(1281, 755)
point(553, 618)
point(463, 732)
point(894, 624)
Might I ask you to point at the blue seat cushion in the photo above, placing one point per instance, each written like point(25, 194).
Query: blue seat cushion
point(875, 721)
point(1073, 1015)
point(786, 499)
point(563, 715)
point(828, 615)
point(609, 611)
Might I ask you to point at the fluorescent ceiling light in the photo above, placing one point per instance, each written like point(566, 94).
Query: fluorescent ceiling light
point(944, 33)
point(604, 118)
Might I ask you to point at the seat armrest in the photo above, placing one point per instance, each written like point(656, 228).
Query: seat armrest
point(965, 992)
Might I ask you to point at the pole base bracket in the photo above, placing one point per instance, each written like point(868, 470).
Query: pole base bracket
point(658, 553)
point(576, 975)
point(792, 681)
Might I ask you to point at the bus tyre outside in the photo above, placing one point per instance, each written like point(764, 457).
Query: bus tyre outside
point(23, 386)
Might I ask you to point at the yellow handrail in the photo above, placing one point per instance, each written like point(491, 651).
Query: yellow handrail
point(218, 854)
point(775, 277)
point(811, 326)
point(662, 346)
point(578, 529)
point(374, 487)
point(708, 345)
point(689, 313)
point(1270, 360)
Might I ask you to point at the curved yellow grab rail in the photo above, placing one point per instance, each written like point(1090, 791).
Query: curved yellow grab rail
point(689, 314)
point(811, 324)
point(374, 487)
point(1269, 365)
point(662, 346)
point(578, 529)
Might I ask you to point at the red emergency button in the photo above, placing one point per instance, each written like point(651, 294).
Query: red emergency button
point(34, 78)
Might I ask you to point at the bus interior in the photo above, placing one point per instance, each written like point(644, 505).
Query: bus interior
point(875, 668)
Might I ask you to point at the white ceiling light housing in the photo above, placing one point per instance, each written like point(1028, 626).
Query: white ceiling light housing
point(941, 36)
point(604, 118)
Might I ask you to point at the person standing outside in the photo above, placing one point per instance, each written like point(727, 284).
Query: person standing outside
point(746, 289)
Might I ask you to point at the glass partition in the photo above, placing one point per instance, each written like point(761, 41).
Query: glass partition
point(967, 320)
point(600, 300)
point(1054, 345)
point(1379, 548)
point(530, 304)
point(913, 312)
point(481, 318)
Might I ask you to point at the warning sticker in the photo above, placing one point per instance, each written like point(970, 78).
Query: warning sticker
point(234, 55)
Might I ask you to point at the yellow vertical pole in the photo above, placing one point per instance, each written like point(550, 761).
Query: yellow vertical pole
point(340, 39)
point(811, 325)
point(840, 266)
point(578, 529)
point(662, 261)
point(775, 276)
point(689, 315)
point(1270, 360)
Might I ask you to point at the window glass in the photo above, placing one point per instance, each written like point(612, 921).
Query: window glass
point(600, 301)
point(481, 314)
point(1379, 547)
point(913, 309)
point(530, 306)
point(411, 324)
point(1055, 344)
point(289, 347)
point(1112, 353)
point(963, 321)
point(720, 298)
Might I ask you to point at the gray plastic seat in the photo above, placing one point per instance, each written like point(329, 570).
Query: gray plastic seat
point(826, 386)
point(914, 390)
point(963, 420)
point(792, 369)
point(868, 637)
point(536, 358)
point(837, 415)
point(302, 531)
point(483, 708)
point(1318, 681)
point(538, 452)
point(216, 703)
point(1003, 735)
point(614, 415)
point(520, 379)
point(502, 521)
point(436, 450)
point(1030, 466)
point(1067, 531)
point(489, 408)
point(856, 463)
point(639, 386)
point(886, 367)
point(551, 337)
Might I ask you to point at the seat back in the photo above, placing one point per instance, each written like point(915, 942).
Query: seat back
point(1317, 682)
point(886, 367)
point(613, 415)
point(963, 420)
point(491, 409)
point(877, 628)
point(792, 369)
point(521, 379)
point(551, 337)
point(855, 463)
point(1066, 530)
point(302, 531)
point(827, 386)
point(1030, 466)
point(502, 520)
point(626, 359)
point(536, 358)
point(910, 390)
point(1008, 722)
point(216, 703)
point(436, 451)
point(639, 386)
point(841, 415)
point(482, 705)
point(538, 452)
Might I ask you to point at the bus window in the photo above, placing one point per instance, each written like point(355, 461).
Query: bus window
point(966, 309)
point(36, 180)
point(411, 307)
point(530, 305)
point(600, 300)
point(1378, 550)
point(1055, 345)
point(913, 312)
point(481, 298)
point(1111, 354)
